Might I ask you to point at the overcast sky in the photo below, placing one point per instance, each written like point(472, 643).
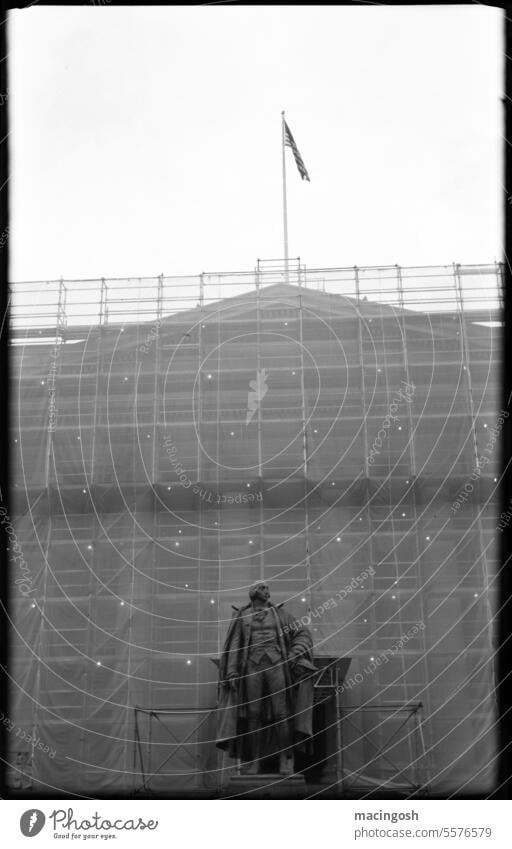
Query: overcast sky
point(148, 140)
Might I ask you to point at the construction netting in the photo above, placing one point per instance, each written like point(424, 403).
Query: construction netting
point(172, 441)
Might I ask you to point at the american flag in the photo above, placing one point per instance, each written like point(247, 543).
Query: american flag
point(290, 141)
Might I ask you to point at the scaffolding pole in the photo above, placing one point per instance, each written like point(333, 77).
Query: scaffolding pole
point(360, 346)
point(477, 469)
point(261, 535)
point(411, 480)
point(307, 538)
point(199, 476)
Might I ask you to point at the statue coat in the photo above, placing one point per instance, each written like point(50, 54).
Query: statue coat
point(296, 648)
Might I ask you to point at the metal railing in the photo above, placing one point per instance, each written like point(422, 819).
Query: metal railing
point(50, 305)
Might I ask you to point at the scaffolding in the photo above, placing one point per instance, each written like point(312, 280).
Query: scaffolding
point(35, 304)
point(149, 494)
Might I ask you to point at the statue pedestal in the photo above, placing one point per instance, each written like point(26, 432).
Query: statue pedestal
point(266, 786)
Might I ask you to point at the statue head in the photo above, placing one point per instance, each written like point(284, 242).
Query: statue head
point(259, 591)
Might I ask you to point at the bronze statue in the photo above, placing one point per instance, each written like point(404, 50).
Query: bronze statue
point(265, 696)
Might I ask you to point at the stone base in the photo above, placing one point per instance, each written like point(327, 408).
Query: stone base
point(266, 786)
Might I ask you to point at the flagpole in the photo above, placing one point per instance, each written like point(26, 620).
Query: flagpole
point(285, 210)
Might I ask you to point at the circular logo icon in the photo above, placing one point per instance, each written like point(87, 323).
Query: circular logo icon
point(31, 822)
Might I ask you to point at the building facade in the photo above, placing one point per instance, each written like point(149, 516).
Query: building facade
point(341, 443)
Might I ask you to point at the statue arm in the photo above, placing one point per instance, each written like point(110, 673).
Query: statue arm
point(299, 636)
point(232, 666)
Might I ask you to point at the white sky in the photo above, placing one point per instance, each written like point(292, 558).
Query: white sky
point(148, 140)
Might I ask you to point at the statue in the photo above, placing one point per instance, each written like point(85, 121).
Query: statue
point(265, 696)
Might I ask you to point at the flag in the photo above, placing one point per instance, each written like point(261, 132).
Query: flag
point(290, 141)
